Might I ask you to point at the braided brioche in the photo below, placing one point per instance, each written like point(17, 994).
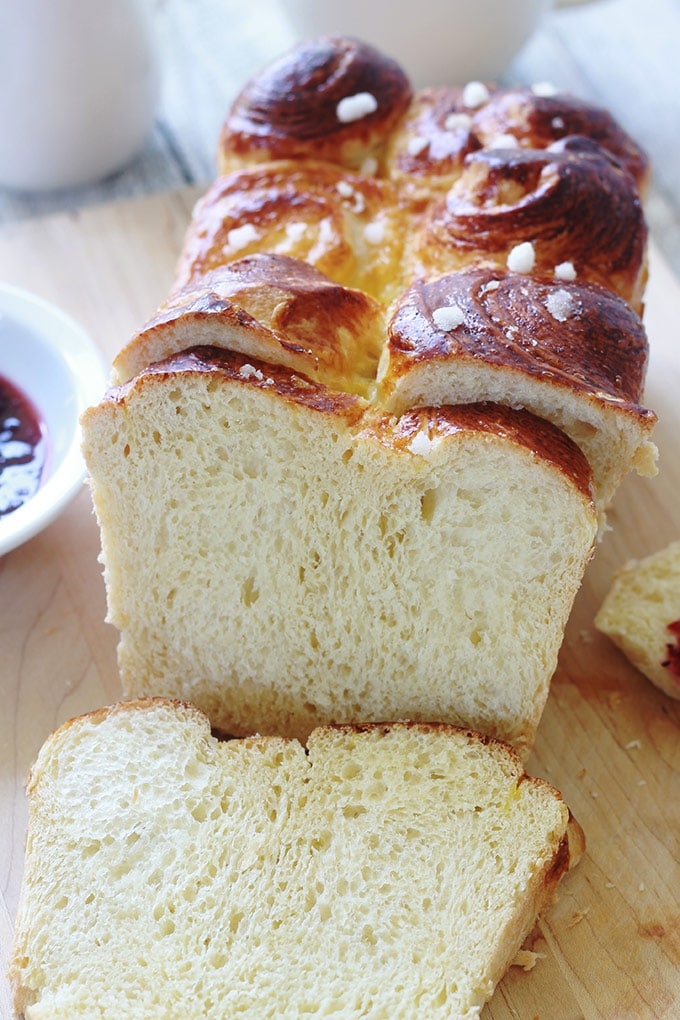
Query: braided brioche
point(346, 225)
point(355, 465)
point(276, 308)
point(392, 871)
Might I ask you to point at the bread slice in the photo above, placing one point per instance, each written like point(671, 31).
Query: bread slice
point(572, 353)
point(641, 614)
point(391, 871)
point(275, 308)
point(283, 555)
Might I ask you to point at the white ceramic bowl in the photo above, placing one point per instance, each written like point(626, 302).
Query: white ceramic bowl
point(53, 361)
point(437, 42)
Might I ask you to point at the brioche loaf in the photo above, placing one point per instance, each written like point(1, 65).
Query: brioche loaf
point(353, 468)
point(391, 871)
point(292, 556)
point(641, 614)
point(539, 192)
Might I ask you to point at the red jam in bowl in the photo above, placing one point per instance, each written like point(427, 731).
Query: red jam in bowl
point(23, 448)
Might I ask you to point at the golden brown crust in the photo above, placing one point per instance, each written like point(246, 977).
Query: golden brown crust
point(573, 203)
point(386, 726)
point(248, 371)
point(438, 131)
point(427, 152)
point(276, 308)
point(96, 715)
point(578, 336)
point(454, 200)
point(292, 108)
point(290, 111)
point(515, 426)
point(567, 855)
point(536, 121)
point(345, 225)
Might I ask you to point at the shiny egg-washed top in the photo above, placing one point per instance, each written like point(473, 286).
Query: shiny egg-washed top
point(349, 211)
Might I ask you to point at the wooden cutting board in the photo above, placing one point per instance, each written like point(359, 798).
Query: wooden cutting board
point(609, 947)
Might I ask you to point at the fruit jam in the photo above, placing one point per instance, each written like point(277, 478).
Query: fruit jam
point(672, 662)
point(23, 448)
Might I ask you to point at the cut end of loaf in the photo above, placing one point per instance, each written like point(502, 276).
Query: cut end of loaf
point(337, 565)
point(392, 869)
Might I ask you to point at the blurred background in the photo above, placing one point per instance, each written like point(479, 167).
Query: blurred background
point(623, 54)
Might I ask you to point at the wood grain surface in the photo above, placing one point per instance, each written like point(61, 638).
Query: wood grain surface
point(609, 948)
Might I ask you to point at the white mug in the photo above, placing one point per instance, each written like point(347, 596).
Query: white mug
point(79, 85)
point(437, 42)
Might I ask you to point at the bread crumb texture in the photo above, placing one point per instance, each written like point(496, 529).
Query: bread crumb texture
point(286, 566)
point(641, 615)
point(390, 871)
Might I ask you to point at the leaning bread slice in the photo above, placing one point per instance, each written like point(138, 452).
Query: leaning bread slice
point(571, 353)
point(272, 307)
point(392, 871)
point(283, 556)
point(641, 615)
